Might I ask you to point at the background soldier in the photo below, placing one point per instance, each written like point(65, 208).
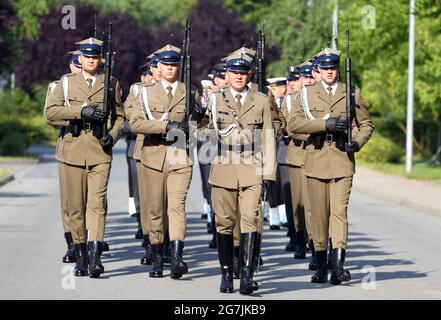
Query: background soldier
point(238, 112)
point(329, 160)
point(276, 196)
point(75, 67)
point(166, 165)
point(87, 152)
point(293, 87)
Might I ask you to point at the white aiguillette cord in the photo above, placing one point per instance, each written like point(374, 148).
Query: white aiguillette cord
point(305, 103)
point(145, 103)
point(223, 133)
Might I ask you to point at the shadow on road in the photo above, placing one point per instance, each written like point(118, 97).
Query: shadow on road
point(363, 251)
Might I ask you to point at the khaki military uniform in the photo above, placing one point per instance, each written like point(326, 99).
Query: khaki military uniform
point(87, 163)
point(328, 169)
point(165, 165)
point(238, 171)
point(128, 109)
point(61, 125)
point(294, 159)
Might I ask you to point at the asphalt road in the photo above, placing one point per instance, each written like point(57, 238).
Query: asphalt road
point(393, 251)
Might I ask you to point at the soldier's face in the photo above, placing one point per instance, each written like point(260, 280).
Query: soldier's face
point(237, 80)
point(90, 64)
point(168, 72)
point(278, 91)
point(329, 75)
point(145, 78)
point(74, 68)
point(307, 81)
point(294, 86)
point(219, 82)
point(155, 73)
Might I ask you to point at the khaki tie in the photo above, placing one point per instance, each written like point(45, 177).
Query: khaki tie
point(239, 104)
point(170, 94)
point(89, 81)
point(330, 91)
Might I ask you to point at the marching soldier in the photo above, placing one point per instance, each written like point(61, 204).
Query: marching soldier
point(134, 202)
point(75, 67)
point(132, 141)
point(276, 196)
point(239, 170)
point(206, 139)
point(160, 113)
point(329, 163)
point(87, 153)
point(293, 88)
point(293, 158)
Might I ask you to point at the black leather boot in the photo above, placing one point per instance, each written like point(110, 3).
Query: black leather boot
point(96, 268)
point(213, 243)
point(339, 274)
point(321, 275)
point(291, 245)
point(178, 267)
point(138, 234)
point(166, 258)
point(225, 252)
point(257, 257)
point(81, 259)
point(247, 262)
point(236, 263)
point(147, 259)
point(300, 252)
point(157, 263)
point(69, 257)
point(331, 264)
point(105, 246)
point(313, 263)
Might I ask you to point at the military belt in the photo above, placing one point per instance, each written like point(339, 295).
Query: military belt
point(157, 139)
point(297, 142)
point(236, 147)
point(319, 140)
point(77, 126)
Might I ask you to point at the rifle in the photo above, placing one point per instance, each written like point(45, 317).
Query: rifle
point(261, 68)
point(349, 91)
point(185, 46)
point(95, 29)
point(109, 90)
point(187, 70)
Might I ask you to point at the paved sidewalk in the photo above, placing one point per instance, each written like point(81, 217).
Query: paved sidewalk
point(420, 195)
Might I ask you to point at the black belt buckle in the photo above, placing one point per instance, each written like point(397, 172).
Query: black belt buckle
point(329, 138)
point(87, 126)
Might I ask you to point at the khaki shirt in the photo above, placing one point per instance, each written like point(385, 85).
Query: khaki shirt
point(84, 150)
point(329, 162)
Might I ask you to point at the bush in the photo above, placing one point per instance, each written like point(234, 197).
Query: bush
point(380, 149)
point(21, 121)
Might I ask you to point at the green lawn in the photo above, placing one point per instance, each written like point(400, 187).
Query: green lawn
point(18, 159)
point(422, 170)
point(4, 173)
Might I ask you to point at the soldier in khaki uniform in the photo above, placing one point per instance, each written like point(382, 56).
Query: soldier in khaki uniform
point(75, 67)
point(239, 170)
point(329, 162)
point(159, 114)
point(146, 79)
point(86, 152)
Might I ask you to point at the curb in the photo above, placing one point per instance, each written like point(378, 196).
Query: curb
point(6, 179)
point(398, 198)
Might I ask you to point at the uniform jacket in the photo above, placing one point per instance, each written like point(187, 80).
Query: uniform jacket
point(84, 150)
point(153, 155)
point(329, 162)
point(250, 166)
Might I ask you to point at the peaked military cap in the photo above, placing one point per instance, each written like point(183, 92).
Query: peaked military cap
point(329, 58)
point(169, 54)
point(75, 59)
point(306, 69)
point(91, 47)
point(275, 82)
point(293, 73)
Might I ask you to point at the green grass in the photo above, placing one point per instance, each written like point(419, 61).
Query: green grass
point(422, 170)
point(4, 173)
point(18, 158)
